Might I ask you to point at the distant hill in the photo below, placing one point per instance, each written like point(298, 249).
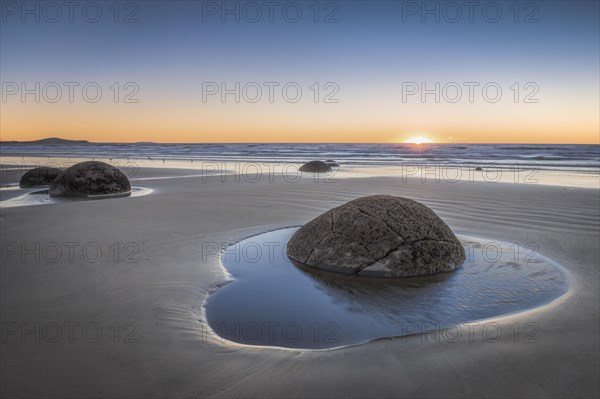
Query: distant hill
point(50, 140)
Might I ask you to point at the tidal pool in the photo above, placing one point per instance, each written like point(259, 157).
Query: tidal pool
point(274, 302)
point(41, 197)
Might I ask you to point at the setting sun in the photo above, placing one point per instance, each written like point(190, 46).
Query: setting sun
point(419, 140)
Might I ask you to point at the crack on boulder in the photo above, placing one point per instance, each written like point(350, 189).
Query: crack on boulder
point(322, 239)
point(409, 245)
point(341, 233)
point(374, 218)
point(414, 214)
point(331, 226)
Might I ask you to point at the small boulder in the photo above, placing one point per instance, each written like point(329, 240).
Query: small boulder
point(332, 163)
point(479, 169)
point(378, 236)
point(88, 179)
point(315, 167)
point(39, 177)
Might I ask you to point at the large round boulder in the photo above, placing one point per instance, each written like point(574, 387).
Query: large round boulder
point(378, 236)
point(315, 167)
point(88, 179)
point(39, 177)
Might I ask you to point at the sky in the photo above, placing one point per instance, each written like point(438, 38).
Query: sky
point(304, 71)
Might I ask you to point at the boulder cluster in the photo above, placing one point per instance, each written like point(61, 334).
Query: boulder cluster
point(82, 180)
point(315, 167)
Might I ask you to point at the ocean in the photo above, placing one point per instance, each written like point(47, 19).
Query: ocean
point(584, 158)
point(563, 165)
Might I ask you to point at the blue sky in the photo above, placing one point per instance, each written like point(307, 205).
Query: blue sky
point(371, 49)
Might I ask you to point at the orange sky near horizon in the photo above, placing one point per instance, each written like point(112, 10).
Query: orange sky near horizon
point(300, 124)
point(103, 132)
point(333, 137)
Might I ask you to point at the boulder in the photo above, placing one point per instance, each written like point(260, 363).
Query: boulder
point(378, 236)
point(88, 179)
point(315, 167)
point(331, 162)
point(39, 177)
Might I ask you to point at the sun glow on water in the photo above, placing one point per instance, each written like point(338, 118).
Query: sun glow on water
point(418, 140)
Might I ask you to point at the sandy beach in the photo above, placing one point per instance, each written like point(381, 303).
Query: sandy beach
point(129, 322)
point(299, 199)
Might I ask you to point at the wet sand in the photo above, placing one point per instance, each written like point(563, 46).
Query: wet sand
point(154, 272)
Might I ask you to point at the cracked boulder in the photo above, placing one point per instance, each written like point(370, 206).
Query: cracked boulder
point(90, 179)
point(378, 236)
point(39, 177)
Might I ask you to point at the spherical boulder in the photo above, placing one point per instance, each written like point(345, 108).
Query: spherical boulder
point(39, 177)
point(89, 179)
point(378, 236)
point(315, 167)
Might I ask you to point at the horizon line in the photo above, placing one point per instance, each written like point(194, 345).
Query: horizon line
point(296, 143)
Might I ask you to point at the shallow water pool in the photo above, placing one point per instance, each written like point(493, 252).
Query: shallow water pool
point(274, 302)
